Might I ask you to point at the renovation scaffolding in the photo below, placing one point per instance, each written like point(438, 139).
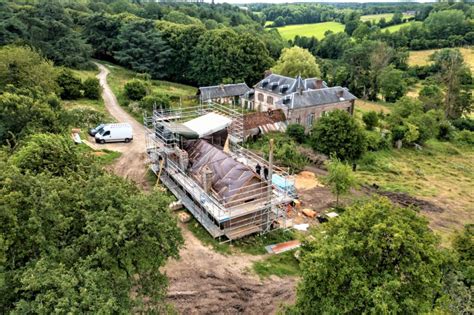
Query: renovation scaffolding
point(213, 175)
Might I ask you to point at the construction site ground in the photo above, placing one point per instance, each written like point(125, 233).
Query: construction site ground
point(204, 281)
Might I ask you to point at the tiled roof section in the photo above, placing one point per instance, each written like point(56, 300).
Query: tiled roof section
point(254, 120)
point(285, 85)
point(223, 90)
point(323, 96)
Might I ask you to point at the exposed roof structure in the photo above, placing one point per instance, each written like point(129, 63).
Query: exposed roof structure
point(223, 90)
point(309, 98)
point(254, 120)
point(285, 85)
point(230, 179)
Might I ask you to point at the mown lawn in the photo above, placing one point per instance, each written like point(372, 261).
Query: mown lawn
point(442, 173)
point(315, 29)
point(422, 57)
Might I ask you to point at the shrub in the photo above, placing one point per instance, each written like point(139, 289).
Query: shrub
point(339, 133)
point(464, 124)
point(81, 117)
point(47, 152)
point(445, 131)
point(465, 137)
point(370, 119)
point(376, 141)
point(91, 88)
point(70, 85)
point(296, 132)
point(158, 99)
point(135, 90)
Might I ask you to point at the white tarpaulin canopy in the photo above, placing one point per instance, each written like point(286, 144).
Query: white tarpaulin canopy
point(208, 124)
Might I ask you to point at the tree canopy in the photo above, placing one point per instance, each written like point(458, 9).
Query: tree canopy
point(338, 133)
point(360, 263)
point(297, 61)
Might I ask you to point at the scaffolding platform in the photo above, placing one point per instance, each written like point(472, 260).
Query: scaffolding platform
point(228, 211)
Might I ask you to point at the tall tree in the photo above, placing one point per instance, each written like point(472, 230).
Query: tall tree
point(453, 72)
point(141, 48)
point(297, 61)
point(376, 258)
point(392, 84)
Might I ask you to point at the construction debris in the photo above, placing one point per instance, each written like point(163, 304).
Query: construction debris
point(309, 213)
point(282, 247)
point(184, 217)
point(176, 205)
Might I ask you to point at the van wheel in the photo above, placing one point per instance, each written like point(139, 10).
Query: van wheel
point(102, 141)
point(127, 140)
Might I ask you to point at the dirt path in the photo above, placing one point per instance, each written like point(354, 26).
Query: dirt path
point(201, 281)
point(132, 163)
point(206, 282)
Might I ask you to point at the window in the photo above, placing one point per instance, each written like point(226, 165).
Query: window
point(309, 120)
point(349, 109)
point(260, 97)
point(270, 100)
point(298, 120)
point(107, 133)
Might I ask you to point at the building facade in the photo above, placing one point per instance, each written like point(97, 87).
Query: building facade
point(302, 100)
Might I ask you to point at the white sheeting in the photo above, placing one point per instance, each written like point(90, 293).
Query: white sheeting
point(208, 124)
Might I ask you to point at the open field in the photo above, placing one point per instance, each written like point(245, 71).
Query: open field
point(375, 18)
point(315, 29)
point(397, 27)
point(442, 173)
point(119, 76)
point(422, 57)
point(366, 106)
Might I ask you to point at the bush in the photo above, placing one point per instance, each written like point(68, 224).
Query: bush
point(70, 85)
point(47, 152)
point(91, 88)
point(376, 141)
point(81, 117)
point(296, 132)
point(465, 137)
point(445, 131)
point(370, 119)
point(135, 90)
point(464, 124)
point(339, 133)
point(158, 99)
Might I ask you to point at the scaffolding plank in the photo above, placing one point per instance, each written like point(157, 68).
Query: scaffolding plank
point(189, 204)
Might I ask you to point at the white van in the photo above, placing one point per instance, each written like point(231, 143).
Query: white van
point(114, 133)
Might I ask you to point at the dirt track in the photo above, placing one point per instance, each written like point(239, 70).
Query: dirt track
point(201, 281)
point(132, 163)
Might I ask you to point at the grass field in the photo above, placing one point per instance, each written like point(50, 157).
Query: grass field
point(316, 29)
point(442, 172)
point(375, 18)
point(422, 57)
point(366, 106)
point(119, 76)
point(397, 27)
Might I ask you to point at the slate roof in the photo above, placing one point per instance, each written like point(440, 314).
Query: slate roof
point(324, 96)
point(223, 90)
point(285, 85)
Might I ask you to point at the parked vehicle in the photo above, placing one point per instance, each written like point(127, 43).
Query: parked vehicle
point(94, 131)
point(115, 133)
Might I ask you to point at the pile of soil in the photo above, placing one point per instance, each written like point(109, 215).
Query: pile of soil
point(405, 200)
point(307, 180)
